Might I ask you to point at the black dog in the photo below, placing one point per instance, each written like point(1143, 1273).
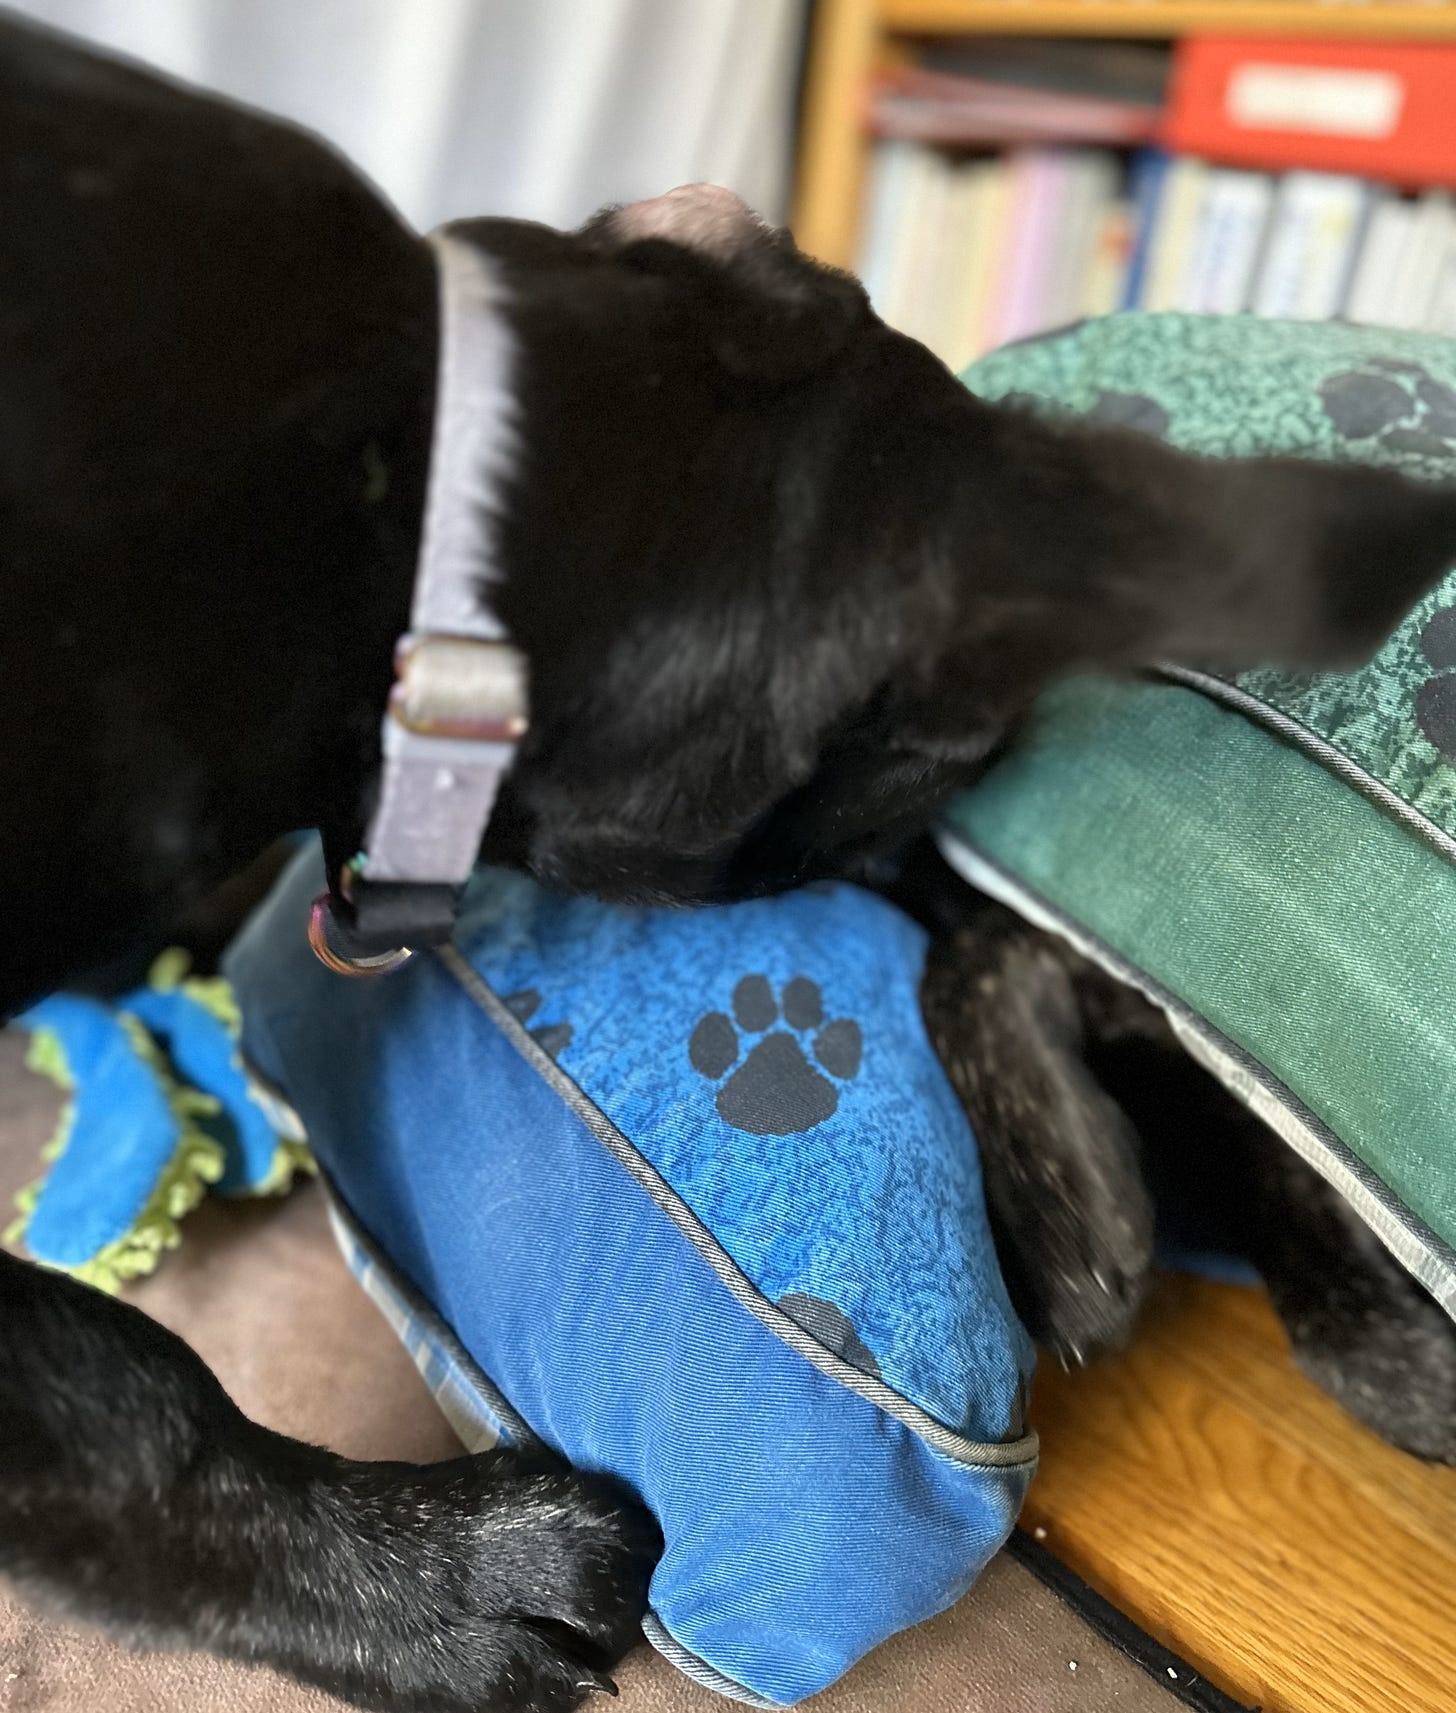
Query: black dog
point(781, 585)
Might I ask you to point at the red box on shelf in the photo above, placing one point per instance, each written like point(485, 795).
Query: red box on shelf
point(1383, 110)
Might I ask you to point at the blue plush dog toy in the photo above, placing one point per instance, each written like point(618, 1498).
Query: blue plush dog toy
point(686, 1196)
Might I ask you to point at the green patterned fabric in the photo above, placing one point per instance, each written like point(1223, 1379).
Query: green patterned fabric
point(1272, 857)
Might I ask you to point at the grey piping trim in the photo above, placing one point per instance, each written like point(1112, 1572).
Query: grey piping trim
point(699, 1670)
point(1424, 1254)
point(1321, 750)
point(1007, 1455)
point(409, 1302)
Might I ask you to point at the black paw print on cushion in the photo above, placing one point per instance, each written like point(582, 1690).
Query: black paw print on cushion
point(1132, 410)
point(1395, 403)
point(1436, 698)
point(832, 1327)
point(775, 1090)
point(552, 1038)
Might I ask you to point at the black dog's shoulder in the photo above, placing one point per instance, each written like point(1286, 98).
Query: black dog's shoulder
point(176, 272)
point(216, 373)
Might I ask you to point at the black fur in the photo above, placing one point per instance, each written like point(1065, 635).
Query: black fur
point(138, 1497)
point(781, 583)
point(1088, 1112)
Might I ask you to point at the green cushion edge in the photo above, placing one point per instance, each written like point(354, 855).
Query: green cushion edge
point(1242, 385)
point(1306, 926)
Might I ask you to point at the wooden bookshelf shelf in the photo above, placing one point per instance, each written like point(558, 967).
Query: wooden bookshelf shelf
point(1420, 19)
point(852, 36)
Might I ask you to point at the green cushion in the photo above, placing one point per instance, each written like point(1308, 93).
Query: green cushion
point(1272, 858)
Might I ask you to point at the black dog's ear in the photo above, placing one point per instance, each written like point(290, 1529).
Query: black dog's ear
point(1306, 565)
point(1112, 549)
point(768, 313)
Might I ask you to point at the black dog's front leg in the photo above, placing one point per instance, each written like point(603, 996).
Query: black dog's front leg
point(135, 1495)
point(1009, 1011)
point(1087, 1108)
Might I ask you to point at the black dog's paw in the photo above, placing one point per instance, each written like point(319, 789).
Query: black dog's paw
point(1073, 1224)
point(1070, 1211)
point(520, 1585)
point(1360, 1326)
point(568, 1557)
point(1402, 1388)
point(1387, 1356)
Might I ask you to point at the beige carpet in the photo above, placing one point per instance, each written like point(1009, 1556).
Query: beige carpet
point(261, 1293)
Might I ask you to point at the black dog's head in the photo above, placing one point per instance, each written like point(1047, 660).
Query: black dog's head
point(783, 583)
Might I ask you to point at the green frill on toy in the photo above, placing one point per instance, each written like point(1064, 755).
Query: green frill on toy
point(160, 1110)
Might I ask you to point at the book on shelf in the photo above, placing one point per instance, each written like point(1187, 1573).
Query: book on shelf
point(968, 254)
point(1316, 225)
point(926, 106)
point(1111, 258)
point(979, 250)
point(1145, 194)
point(1374, 283)
point(1378, 109)
point(1017, 186)
point(1174, 231)
point(1130, 72)
point(1425, 258)
point(1228, 241)
point(1037, 191)
point(1442, 315)
point(1091, 187)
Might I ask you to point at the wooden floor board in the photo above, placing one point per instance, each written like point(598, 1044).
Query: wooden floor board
point(1222, 1501)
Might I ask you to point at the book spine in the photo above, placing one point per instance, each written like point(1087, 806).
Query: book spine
point(1107, 272)
point(1378, 109)
point(1379, 265)
point(975, 268)
point(1228, 243)
point(1424, 258)
point(1177, 223)
point(1037, 183)
point(1149, 176)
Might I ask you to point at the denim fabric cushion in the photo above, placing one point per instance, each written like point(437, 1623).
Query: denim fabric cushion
point(686, 1195)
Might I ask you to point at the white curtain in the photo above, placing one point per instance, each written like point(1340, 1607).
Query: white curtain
point(539, 108)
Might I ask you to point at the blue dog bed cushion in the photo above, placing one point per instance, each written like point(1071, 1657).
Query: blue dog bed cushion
point(686, 1196)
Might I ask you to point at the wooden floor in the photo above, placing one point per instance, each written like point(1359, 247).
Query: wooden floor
point(1223, 1502)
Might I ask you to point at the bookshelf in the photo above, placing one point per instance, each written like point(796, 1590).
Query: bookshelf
point(851, 37)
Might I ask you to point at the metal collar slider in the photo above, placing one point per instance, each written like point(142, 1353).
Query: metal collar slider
point(468, 688)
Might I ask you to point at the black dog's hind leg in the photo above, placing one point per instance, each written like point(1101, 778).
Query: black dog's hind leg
point(1007, 1009)
point(1359, 1325)
point(1088, 1110)
point(134, 1495)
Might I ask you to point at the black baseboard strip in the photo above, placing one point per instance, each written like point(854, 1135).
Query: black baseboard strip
point(1176, 1675)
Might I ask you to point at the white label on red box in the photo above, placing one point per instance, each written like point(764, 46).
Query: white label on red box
point(1333, 101)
